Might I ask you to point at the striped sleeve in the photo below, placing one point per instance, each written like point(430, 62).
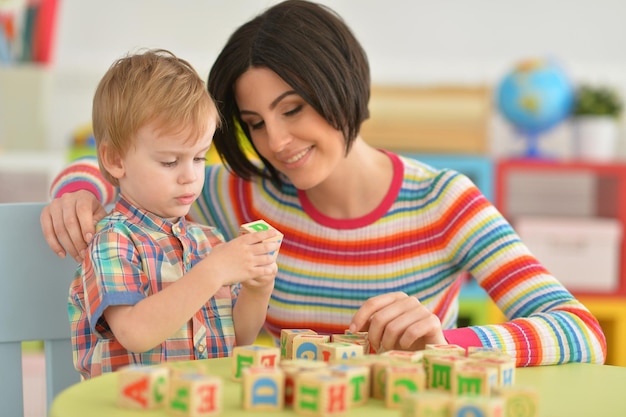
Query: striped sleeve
point(83, 174)
point(546, 323)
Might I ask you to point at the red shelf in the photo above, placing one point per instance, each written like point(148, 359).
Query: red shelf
point(610, 201)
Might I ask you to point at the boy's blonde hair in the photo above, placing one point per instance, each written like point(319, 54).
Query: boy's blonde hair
point(151, 86)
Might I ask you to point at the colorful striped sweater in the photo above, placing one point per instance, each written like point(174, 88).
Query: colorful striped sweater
point(433, 228)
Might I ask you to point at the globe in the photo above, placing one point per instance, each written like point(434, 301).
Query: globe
point(534, 97)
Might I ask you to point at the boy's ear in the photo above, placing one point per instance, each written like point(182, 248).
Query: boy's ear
point(111, 161)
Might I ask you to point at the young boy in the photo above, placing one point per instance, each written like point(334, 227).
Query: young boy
point(153, 286)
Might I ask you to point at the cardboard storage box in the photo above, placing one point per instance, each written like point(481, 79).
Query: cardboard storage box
point(582, 253)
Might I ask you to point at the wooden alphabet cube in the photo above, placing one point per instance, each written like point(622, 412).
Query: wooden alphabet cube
point(379, 374)
point(358, 377)
point(472, 405)
point(142, 387)
point(292, 368)
point(442, 371)
point(195, 395)
point(433, 351)
point(320, 394)
point(257, 226)
point(519, 401)
point(331, 351)
point(401, 380)
point(263, 389)
point(504, 366)
point(305, 346)
point(474, 379)
point(426, 403)
point(253, 355)
point(286, 341)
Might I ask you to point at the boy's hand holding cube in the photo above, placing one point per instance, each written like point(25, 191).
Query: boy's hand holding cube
point(259, 225)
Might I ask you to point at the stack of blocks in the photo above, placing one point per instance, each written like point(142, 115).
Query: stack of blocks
point(190, 394)
point(317, 375)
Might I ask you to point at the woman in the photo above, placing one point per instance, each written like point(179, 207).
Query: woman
point(372, 241)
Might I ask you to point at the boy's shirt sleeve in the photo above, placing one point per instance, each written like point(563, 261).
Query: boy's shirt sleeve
point(83, 174)
point(113, 276)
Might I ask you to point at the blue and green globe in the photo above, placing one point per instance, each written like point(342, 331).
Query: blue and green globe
point(534, 97)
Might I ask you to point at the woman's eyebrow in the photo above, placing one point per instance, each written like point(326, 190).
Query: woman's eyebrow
point(273, 104)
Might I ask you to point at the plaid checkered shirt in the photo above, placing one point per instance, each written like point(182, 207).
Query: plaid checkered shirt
point(133, 255)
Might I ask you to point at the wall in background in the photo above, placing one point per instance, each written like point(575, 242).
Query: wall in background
point(418, 42)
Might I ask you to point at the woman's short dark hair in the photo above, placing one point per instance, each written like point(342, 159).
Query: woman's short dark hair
point(312, 49)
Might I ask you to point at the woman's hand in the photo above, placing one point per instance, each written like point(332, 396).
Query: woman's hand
point(68, 223)
point(396, 321)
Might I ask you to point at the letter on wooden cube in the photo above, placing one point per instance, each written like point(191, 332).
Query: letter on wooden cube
point(358, 377)
point(142, 387)
point(332, 351)
point(292, 368)
point(305, 346)
point(259, 225)
point(263, 389)
point(474, 379)
point(442, 370)
point(401, 380)
point(286, 341)
point(253, 355)
point(195, 395)
point(504, 366)
point(320, 394)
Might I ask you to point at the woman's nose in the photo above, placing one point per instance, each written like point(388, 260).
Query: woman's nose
point(278, 137)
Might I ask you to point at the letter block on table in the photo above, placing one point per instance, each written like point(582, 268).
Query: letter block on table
point(358, 377)
point(474, 379)
point(504, 366)
point(292, 368)
point(320, 394)
point(519, 401)
point(259, 225)
point(195, 395)
point(441, 371)
point(472, 405)
point(401, 380)
point(286, 341)
point(378, 368)
point(253, 355)
point(306, 346)
point(142, 387)
point(331, 351)
point(426, 404)
point(263, 389)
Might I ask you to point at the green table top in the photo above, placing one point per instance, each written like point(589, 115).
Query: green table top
point(569, 390)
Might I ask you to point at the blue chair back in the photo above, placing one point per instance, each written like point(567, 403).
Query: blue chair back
point(34, 285)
